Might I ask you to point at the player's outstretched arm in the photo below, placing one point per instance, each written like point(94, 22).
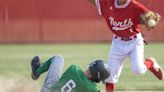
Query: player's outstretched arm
point(150, 19)
point(92, 1)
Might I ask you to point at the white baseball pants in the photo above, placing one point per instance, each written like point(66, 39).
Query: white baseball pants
point(134, 49)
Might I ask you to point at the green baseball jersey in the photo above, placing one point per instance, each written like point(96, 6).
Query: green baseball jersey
point(74, 80)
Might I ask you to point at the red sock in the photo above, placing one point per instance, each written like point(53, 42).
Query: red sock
point(148, 64)
point(109, 87)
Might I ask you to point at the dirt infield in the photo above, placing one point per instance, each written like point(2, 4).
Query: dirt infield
point(22, 85)
point(17, 85)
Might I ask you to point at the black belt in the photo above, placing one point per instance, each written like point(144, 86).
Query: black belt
point(126, 38)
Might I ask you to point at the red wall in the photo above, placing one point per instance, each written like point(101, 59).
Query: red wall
point(35, 21)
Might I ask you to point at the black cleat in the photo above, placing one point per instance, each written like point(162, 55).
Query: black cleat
point(35, 63)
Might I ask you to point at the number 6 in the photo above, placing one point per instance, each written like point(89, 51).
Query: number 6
point(68, 86)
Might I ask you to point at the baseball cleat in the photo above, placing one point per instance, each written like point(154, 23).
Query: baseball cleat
point(35, 63)
point(156, 69)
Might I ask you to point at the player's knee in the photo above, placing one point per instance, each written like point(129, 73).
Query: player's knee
point(58, 58)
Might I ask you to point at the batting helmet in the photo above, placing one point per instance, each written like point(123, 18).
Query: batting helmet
point(99, 70)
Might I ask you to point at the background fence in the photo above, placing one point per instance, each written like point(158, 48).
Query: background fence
point(49, 21)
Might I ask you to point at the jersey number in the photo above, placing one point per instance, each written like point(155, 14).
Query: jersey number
point(68, 86)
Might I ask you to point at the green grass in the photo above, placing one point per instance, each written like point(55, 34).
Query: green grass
point(15, 60)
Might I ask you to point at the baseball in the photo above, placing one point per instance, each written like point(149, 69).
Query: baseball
point(151, 22)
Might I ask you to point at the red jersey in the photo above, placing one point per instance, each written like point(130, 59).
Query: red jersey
point(123, 20)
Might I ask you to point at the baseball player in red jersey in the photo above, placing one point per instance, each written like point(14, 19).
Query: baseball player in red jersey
point(123, 18)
